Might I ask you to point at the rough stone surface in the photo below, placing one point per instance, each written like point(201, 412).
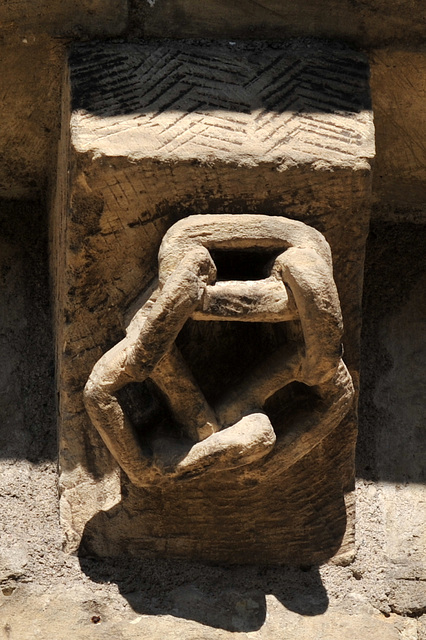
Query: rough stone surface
point(398, 87)
point(75, 18)
point(422, 628)
point(395, 404)
point(394, 319)
point(369, 22)
point(48, 593)
point(33, 39)
point(51, 593)
point(120, 207)
point(29, 125)
point(26, 350)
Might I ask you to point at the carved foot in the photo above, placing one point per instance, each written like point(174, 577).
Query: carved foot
point(245, 442)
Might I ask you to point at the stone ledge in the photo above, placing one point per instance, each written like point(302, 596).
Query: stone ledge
point(241, 104)
point(366, 23)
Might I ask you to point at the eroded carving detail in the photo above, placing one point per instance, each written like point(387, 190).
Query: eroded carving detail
point(298, 288)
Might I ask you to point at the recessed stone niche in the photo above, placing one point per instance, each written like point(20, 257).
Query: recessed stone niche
point(152, 135)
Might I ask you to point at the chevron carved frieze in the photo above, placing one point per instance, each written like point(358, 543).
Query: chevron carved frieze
point(231, 102)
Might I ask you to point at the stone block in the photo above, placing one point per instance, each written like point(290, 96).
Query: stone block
point(152, 134)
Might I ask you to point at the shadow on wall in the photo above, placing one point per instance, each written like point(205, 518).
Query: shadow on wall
point(27, 406)
point(185, 79)
point(230, 598)
point(392, 437)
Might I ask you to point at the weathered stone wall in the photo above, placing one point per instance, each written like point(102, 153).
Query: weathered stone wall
point(381, 594)
point(46, 592)
point(392, 34)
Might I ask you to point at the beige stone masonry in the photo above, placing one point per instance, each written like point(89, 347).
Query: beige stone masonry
point(156, 133)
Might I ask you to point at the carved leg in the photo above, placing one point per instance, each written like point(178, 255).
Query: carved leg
point(309, 428)
point(308, 431)
point(186, 400)
point(245, 442)
point(313, 362)
point(181, 295)
point(311, 282)
point(135, 360)
point(108, 376)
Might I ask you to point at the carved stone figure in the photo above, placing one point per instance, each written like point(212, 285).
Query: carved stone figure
point(297, 288)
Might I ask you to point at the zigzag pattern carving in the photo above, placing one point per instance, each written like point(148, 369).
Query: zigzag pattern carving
point(222, 101)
